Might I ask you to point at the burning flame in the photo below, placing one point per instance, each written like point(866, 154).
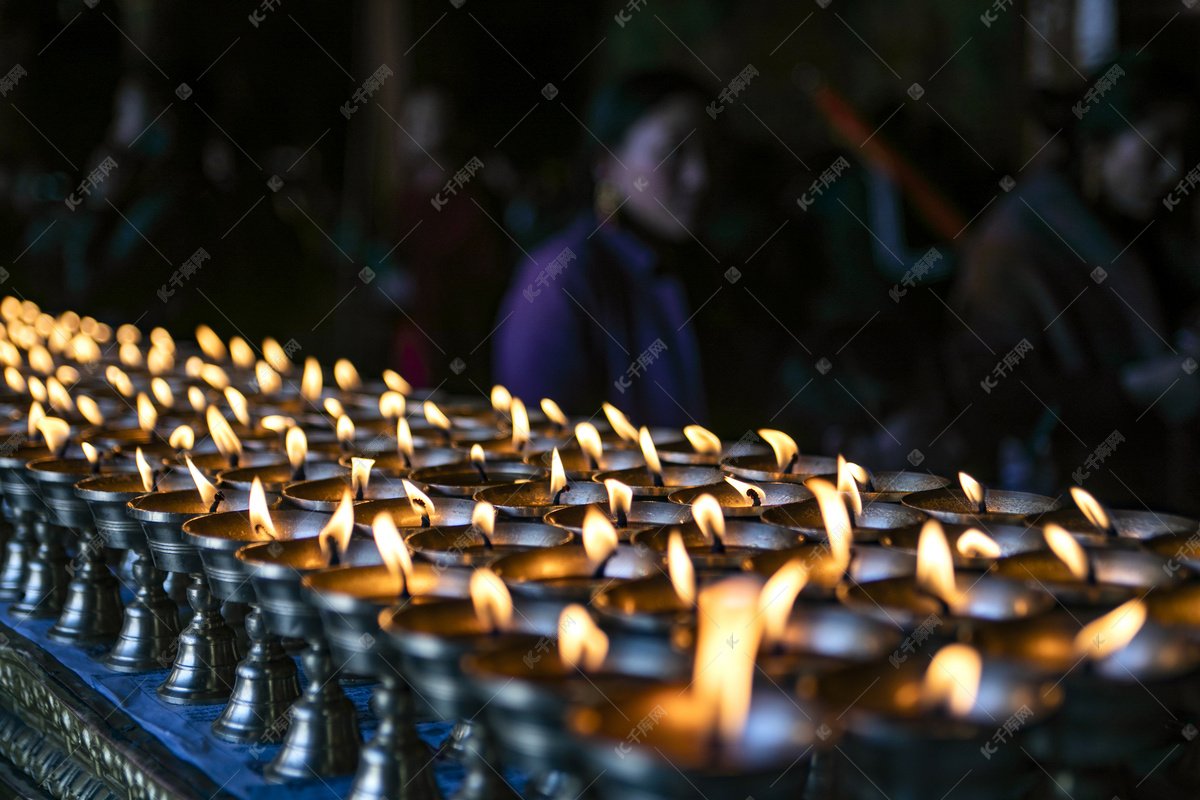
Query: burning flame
point(952, 679)
point(778, 596)
point(935, 564)
point(404, 442)
point(589, 441)
point(130, 355)
point(434, 416)
point(277, 422)
point(268, 379)
point(214, 376)
point(393, 550)
point(193, 366)
point(483, 518)
point(973, 489)
point(182, 438)
point(210, 344)
point(346, 375)
point(222, 434)
point(119, 380)
point(706, 510)
point(620, 423)
point(599, 536)
point(144, 470)
point(1068, 550)
point(703, 440)
point(397, 384)
point(784, 446)
point(162, 392)
point(128, 333)
point(237, 404)
point(836, 518)
point(36, 415)
point(554, 413)
point(40, 360)
point(849, 475)
point(520, 423)
point(241, 352)
point(493, 604)
point(160, 338)
point(37, 389)
point(750, 491)
point(208, 492)
point(420, 502)
point(337, 531)
point(275, 355)
point(649, 452)
point(260, 515)
point(977, 544)
point(620, 498)
point(1093, 509)
point(196, 399)
point(296, 444)
point(581, 643)
point(726, 646)
point(311, 381)
point(56, 432)
point(478, 459)
point(360, 475)
point(146, 414)
point(558, 476)
point(1111, 632)
point(90, 453)
point(345, 430)
point(158, 361)
point(680, 569)
point(12, 376)
point(392, 405)
point(67, 374)
point(58, 396)
point(501, 399)
point(333, 407)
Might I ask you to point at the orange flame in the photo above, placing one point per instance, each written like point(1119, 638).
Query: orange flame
point(147, 416)
point(345, 430)
point(130, 355)
point(558, 475)
point(703, 440)
point(162, 392)
point(492, 601)
point(972, 488)
point(12, 376)
point(727, 641)
point(311, 381)
point(749, 491)
point(241, 352)
point(836, 519)
point(620, 423)
point(778, 596)
point(1067, 549)
point(848, 477)
point(553, 412)
point(977, 544)
point(649, 452)
point(952, 679)
point(58, 396)
point(40, 360)
point(333, 407)
point(478, 459)
point(360, 475)
point(589, 441)
point(36, 415)
point(935, 564)
point(681, 569)
point(620, 498)
point(434, 416)
point(501, 399)
point(144, 470)
point(208, 492)
point(581, 643)
point(296, 444)
point(1111, 632)
point(37, 389)
point(520, 423)
point(346, 375)
point(267, 378)
point(90, 453)
point(393, 550)
point(420, 502)
point(397, 384)
point(228, 444)
point(483, 518)
point(276, 356)
point(1092, 508)
point(336, 532)
point(706, 510)
point(56, 432)
point(196, 399)
point(237, 404)
point(182, 438)
point(404, 442)
point(260, 515)
point(599, 537)
point(784, 446)
point(210, 344)
point(392, 405)
point(159, 337)
point(214, 376)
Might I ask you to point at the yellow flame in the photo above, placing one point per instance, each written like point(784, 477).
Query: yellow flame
point(128, 333)
point(706, 510)
point(196, 399)
point(346, 375)
point(493, 604)
point(345, 430)
point(477, 456)
point(208, 492)
point(241, 352)
point(680, 569)
point(727, 641)
point(360, 474)
point(952, 679)
point(434, 416)
point(159, 361)
point(620, 423)
point(228, 444)
point(778, 596)
point(267, 378)
point(333, 407)
point(703, 440)
point(501, 399)
point(599, 537)
point(58, 396)
point(296, 445)
point(1092, 508)
point(649, 452)
point(1111, 632)
point(119, 380)
point(392, 405)
point(275, 356)
point(784, 446)
point(975, 543)
point(520, 423)
point(182, 438)
point(37, 389)
point(581, 643)
point(935, 564)
point(67, 374)
point(12, 376)
point(9, 354)
point(393, 550)
point(90, 453)
point(237, 404)
point(1067, 549)
point(483, 518)
point(404, 441)
point(849, 475)
point(35, 416)
point(41, 360)
point(210, 344)
point(620, 498)
point(311, 381)
point(214, 376)
point(420, 502)
point(589, 441)
point(260, 515)
point(10, 308)
point(747, 490)
point(162, 340)
point(162, 392)
point(147, 416)
point(553, 412)
point(558, 475)
point(336, 532)
point(836, 519)
point(972, 488)
point(144, 470)
point(277, 422)
point(193, 366)
point(130, 355)
point(393, 381)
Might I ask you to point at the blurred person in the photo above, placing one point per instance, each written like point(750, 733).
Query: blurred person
point(600, 312)
point(1070, 269)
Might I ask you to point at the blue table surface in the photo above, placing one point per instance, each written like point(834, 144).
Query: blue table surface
point(186, 731)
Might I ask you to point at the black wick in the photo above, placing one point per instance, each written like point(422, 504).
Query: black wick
point(217, 498)
point(478, 465)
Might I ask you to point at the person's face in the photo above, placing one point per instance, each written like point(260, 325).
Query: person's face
point(1134, 171)
point(661, 177)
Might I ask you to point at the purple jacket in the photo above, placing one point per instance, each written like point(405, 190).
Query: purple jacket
point(591, 321)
